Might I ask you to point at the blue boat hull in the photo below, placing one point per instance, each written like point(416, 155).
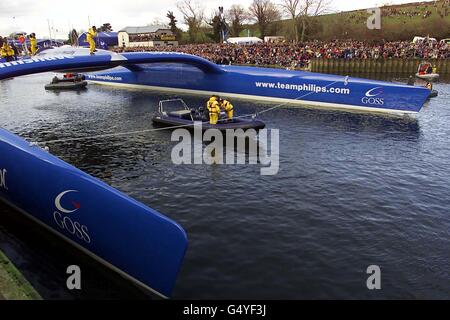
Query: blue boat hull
point(125, 235)
point(191, 74)
point(264, 84)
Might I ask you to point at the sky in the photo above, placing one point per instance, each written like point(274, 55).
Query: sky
point(60, 16)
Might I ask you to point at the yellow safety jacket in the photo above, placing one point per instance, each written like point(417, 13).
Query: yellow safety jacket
point(213, 107)
point(33, 43)
point(226, 105)
point(6, 50)
point(91, 34)
point(210, 102)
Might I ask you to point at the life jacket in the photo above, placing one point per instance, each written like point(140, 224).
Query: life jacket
point(7, 51)
point(227, 105)
point(214, 107)
point(210, 102)
point(33, 42)
point(91, 34)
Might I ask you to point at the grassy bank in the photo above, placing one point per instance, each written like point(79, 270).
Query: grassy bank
point(399, 22)
point(13, 285)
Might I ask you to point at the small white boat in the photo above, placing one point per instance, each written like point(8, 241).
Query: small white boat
point(426, 72)
point(428, 76)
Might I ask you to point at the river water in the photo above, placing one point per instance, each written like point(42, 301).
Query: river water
point(353, 190)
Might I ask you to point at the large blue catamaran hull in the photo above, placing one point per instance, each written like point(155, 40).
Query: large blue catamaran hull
point(263, 84)
point(125, 235)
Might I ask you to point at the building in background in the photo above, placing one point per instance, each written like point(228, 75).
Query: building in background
point(149, 36)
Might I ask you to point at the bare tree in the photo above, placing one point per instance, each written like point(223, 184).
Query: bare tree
point(264, 12)
point(312, 8)
point(193, 15)
point(237, 15)
point(292, 8)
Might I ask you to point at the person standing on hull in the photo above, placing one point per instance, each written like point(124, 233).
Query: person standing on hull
point(214, 109)
point(91, 34)
point(15, 51)
point(33, 44)
point(23, 44)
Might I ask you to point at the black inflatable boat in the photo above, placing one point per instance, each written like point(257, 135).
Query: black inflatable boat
point(66, 85)
point(68, 82)
point(186, 117)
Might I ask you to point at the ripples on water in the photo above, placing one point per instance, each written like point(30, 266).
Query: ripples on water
point(353, 190)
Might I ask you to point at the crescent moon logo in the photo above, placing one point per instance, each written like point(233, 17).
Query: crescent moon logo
point(60, 207)
point(370, 94)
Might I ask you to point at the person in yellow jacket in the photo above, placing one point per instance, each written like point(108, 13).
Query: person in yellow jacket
point(91, 34)
point(227, 107)
point(208, 105)
point(33, 44)
point(214, 109)
point(434, 70)
point(6, 51)
point(211, 100)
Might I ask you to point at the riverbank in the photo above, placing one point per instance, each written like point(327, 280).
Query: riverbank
point(13, 285)
point(397, 66)
point(378, 69)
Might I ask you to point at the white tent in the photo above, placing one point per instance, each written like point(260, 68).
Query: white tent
point(244, 40)
point(418, 39)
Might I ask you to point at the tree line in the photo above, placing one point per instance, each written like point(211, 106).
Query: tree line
point(296, 20)
point(301, 20)
point(265, 15)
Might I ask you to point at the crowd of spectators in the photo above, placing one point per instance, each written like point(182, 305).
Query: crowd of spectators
point(297, 56)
